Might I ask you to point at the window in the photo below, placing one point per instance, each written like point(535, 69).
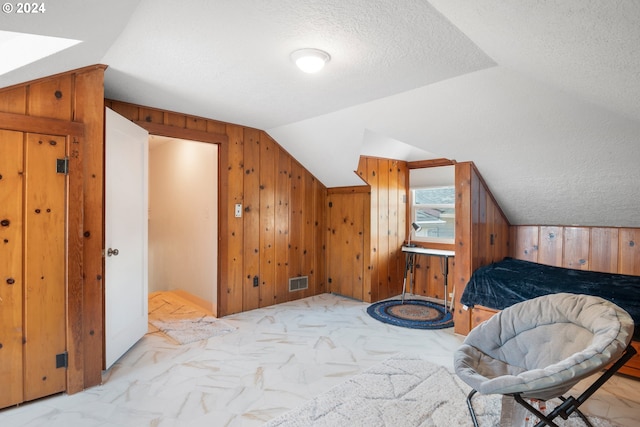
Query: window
point(433, 209)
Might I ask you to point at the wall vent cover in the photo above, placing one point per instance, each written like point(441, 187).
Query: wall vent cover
point(298, 283)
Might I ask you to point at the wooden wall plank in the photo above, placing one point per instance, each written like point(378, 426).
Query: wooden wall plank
point(371, 177)
point(251, 220)
point(11, 267)
point(629, 251)
point(526, 244)
point(52, 98)
point(345, 263)
point(231, 262)
point(320, 237)
point(576, 248)
point(45, 320)
point(383, 230)
point(86, 270)
point(603, 254)
point(14, 100)
point(550, 245)
point(283, 188)
point(267, 220)
point(395, 243)
point(308, 257)
point(296, 223)
point(463, 244)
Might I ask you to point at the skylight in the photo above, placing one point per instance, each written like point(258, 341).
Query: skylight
point(20, 49)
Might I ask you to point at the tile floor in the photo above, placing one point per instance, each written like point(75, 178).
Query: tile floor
point(278, 358)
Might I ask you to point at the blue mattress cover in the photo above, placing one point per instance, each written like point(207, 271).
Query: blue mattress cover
point(507, 282)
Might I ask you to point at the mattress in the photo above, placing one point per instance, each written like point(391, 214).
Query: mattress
point(504, 283)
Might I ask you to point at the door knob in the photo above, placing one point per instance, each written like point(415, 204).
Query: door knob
point(112, 252)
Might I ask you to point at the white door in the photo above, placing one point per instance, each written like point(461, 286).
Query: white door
point(126, 254)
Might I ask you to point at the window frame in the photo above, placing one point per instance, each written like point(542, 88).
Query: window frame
point(414, 208)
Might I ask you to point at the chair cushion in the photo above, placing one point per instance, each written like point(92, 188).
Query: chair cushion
point(544, 346)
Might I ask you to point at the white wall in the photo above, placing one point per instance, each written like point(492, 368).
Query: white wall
point(183, 217)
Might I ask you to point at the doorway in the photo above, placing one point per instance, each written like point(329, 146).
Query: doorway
point(183, 219)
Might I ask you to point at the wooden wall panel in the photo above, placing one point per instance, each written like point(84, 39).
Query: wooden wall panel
point(11, 267)
point(345, 242)
point(296, 224)
point(87, 267)
point(283, 189)
point(75, 100)
point(267, 220)
point(251, 220)
point(482, 235)
point(525, 243)
point(550, 245)
point(370, 175)
point(52, 98)
point(230, 293)
point(309, 231)
point(320, 237)
point(396, 236)
point(605, 249)
point(384, 255)
point(576, 248)
point(463, 244)
point(629, 251)
point(603, 255)
point(14, 101)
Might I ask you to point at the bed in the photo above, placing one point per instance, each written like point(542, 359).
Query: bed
point(499, 285)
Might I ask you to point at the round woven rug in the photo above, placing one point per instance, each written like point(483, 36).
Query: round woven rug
point(416, 314)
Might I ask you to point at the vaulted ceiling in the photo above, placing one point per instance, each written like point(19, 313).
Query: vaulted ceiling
point(543, 96)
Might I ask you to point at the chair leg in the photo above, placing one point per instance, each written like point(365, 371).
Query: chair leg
point(571, 404)
point(470, 406)
point(544, 420)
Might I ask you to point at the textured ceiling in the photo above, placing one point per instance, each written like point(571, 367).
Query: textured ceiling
point(541, 96)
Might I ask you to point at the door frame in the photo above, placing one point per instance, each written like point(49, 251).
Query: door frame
point(221, 140)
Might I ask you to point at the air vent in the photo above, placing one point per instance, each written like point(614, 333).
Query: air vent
point(298, 283)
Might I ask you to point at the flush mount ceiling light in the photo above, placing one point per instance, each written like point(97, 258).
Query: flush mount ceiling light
point(310, 60)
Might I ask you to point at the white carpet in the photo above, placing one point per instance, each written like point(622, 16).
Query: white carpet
point(402, 391)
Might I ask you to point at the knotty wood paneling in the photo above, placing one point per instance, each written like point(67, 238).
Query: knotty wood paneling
point(283, 189)
point(604, 249)
point(251, 223)
point(86, 229)
point(268, 174)
point(482, 235)
point(387, 180)
point(11, 267)
point(347, 215)
point(629, 251)
point(70, 105)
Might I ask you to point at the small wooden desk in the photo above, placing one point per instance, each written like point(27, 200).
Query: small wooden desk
point(411, 252)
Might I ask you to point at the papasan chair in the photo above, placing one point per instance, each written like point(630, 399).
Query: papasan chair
point(540, 348)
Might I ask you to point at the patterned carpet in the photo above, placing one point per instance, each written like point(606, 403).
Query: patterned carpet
point(402, 391)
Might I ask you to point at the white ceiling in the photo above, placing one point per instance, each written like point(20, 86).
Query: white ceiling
point(542, 96)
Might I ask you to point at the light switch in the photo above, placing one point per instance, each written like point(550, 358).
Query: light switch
point(238, 210)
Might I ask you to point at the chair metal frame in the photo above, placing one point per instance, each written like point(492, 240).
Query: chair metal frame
point(569, 404)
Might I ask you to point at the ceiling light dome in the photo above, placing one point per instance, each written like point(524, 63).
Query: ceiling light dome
point(310, 60)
